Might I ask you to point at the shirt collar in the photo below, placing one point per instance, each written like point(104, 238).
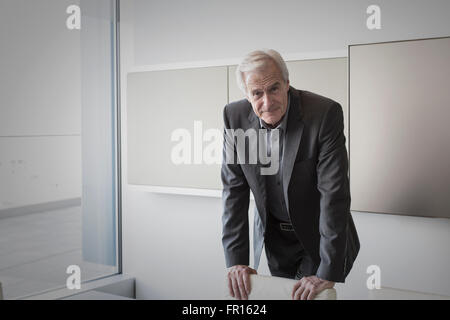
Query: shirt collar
point(283, 122)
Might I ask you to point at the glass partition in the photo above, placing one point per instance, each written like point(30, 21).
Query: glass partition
point(59, 187)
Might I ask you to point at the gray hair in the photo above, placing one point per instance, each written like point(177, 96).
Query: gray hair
point(257, 60)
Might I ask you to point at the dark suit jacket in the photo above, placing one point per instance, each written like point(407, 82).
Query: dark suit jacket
point(315, 185)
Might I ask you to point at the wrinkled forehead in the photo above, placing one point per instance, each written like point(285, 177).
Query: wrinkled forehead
point(263, 78)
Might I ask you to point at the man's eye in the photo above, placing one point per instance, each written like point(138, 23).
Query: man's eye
point(258, 93)
point(274, 89)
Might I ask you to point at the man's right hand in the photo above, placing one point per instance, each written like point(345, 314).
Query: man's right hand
point(239, 281)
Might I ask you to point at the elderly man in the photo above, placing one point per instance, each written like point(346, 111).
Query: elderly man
point(302, 210)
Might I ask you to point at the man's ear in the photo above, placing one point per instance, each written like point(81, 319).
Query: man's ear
point(288, 84)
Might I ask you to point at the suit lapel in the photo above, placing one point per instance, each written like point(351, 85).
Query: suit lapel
point(291, 144)
point(255, 125)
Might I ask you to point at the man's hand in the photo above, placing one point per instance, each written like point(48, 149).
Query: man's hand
point(308, 287)
point(239, 281)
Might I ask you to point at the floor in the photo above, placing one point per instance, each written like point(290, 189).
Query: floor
point(36, 249)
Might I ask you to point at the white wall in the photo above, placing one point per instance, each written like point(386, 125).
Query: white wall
point(173, 30)
point(172, 243)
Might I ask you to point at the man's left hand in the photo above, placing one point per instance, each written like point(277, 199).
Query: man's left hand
point(308, 287)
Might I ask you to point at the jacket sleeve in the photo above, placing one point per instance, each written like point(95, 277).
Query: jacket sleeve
point(235, 197)
point(333, 185)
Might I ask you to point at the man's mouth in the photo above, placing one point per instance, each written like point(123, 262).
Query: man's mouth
point(272, 110)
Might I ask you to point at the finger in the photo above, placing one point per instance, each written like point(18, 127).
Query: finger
point(247, 283)
point(312, 294)
point(305, 294)
point(299, 292)
point(230, 286)
point(294, 289)
point(241, 287)
point(235, 288)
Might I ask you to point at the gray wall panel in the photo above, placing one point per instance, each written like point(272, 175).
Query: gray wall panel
point(399, 132)
point(160, 102)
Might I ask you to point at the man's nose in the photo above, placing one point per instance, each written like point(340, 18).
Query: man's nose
point(267, 100)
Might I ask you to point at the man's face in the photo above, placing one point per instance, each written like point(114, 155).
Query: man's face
point(267, 93)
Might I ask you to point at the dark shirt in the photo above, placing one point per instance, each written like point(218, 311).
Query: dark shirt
point(276, 205)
